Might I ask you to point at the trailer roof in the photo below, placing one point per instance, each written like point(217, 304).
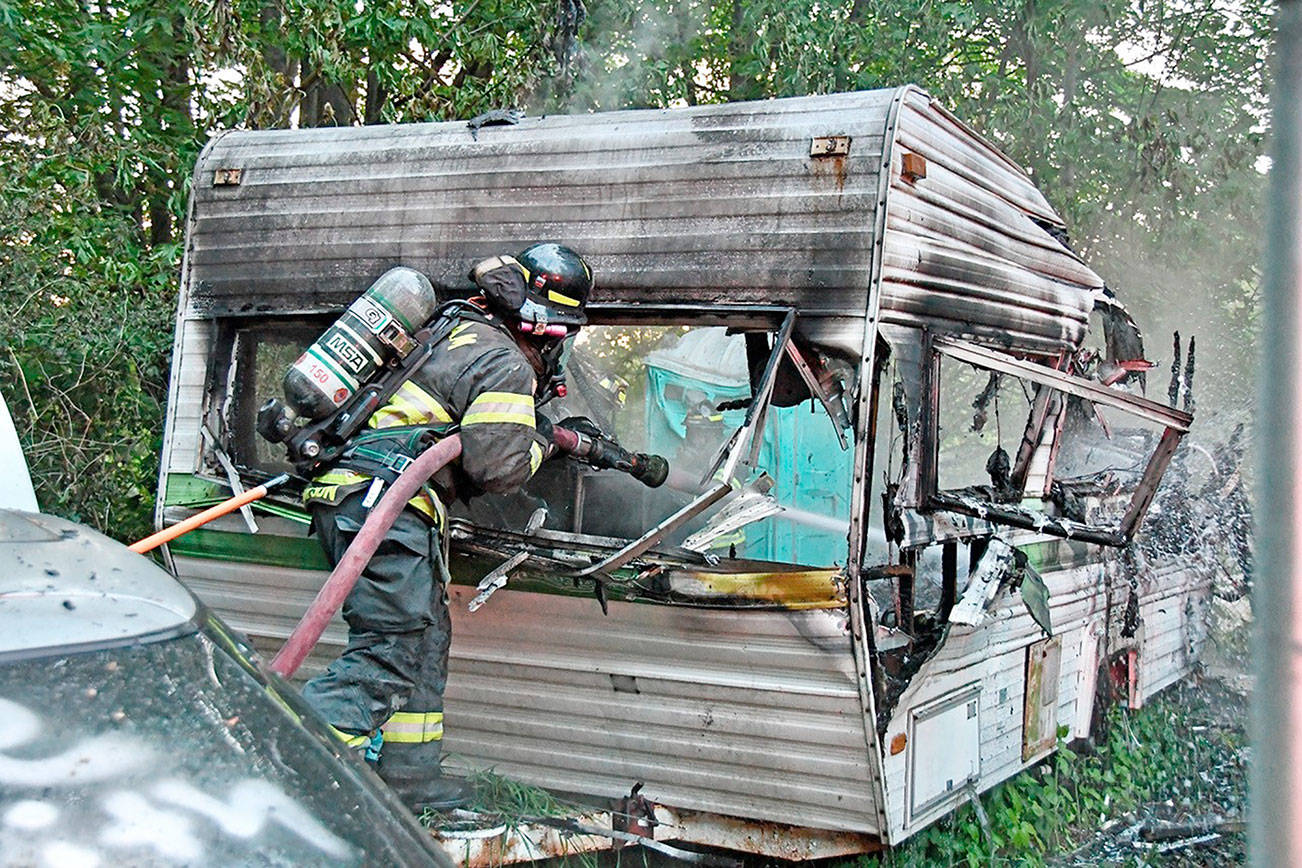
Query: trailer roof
point(708, 204)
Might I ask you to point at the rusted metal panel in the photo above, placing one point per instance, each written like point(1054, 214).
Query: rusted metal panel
point(774, 840)
point(1040, 717)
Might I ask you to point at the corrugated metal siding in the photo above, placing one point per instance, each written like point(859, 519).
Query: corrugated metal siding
point(750, 714)
point(961, 252)
point(186, 401)
point(746, 713)
point(714, 203)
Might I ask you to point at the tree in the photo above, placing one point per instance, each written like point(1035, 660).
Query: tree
point(104, 107)
point(1144, 123)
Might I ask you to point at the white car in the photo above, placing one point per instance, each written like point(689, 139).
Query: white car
point(137, 729)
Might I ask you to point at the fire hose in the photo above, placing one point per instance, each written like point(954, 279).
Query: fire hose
point(345, 574)
point(586, 445)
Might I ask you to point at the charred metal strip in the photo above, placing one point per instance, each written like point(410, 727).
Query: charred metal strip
point(1188, 379)
point(1150, 411)
point(232, 475)
point(948, 579)
point(815, 388)
point(729, 455)
point(759, 408)
point(1037, 521)
point(1031, 438)
point(1173, 390)
point(649, 539)
point(757, 316)
point(1147, 487)
point(904, 590)
point(929, 458)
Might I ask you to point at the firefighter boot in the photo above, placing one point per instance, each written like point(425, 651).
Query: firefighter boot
point(412, 771)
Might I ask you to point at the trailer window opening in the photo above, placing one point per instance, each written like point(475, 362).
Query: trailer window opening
point(1090, 458)
point(685, 392)
point(671, 388)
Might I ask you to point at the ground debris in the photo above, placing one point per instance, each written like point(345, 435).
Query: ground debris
point(1199, 817)
point(1132, 838)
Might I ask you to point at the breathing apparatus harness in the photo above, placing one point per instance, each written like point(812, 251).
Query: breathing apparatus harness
point(339, 436)
point(320, 443)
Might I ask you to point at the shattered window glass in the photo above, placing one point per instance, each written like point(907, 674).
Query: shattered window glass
point(682, 392)
point(1103, 447)
point(1095, 455)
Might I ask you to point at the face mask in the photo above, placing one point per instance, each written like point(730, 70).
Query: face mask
point(555, 353)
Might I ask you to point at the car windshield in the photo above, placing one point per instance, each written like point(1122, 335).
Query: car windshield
point(173, 752)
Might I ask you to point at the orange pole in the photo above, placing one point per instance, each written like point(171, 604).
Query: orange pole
point(168, 534)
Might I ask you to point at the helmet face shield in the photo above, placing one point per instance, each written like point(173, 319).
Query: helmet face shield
point(556, 353)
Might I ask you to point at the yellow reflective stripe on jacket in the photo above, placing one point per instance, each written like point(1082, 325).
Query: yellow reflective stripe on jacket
point(350, 740)
point(410, 405)
point(413, 727)
point(326, 486)
point(535, 457)
point(499, 407)
point(458, 337)
point(341, 477)
point(431, 506)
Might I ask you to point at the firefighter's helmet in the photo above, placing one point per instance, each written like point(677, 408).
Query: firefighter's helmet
point(545, 287)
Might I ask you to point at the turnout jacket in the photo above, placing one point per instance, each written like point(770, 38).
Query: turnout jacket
point(476, 380)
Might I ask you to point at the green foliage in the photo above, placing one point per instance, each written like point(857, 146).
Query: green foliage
point(92, 187)
point(1143, 123)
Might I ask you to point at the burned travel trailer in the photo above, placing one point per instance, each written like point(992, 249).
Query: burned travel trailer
point(908, 440)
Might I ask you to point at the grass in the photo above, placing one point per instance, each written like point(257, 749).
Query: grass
point(504, 801)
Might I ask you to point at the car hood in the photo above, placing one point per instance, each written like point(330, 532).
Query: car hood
point(63, 584)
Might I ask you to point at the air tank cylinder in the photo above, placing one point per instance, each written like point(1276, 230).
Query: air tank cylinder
point(376, 328)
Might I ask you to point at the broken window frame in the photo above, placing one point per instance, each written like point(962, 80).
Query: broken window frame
point(1175, 424)
point(607, 554)
point(723, 468)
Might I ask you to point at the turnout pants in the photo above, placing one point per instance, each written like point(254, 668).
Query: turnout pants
point(393, 671)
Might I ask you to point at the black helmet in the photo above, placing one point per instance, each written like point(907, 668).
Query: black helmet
point(547, 284)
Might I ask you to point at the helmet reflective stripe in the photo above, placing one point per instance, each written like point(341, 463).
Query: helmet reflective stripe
point(553, 295)
point(413, 727)
point(558, 284)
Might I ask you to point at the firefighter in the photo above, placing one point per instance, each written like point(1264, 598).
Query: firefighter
point(384, 694)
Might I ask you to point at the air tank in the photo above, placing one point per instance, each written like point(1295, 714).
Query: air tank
point(376, 328)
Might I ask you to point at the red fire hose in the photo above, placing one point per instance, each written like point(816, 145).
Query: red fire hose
point(345, 574)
